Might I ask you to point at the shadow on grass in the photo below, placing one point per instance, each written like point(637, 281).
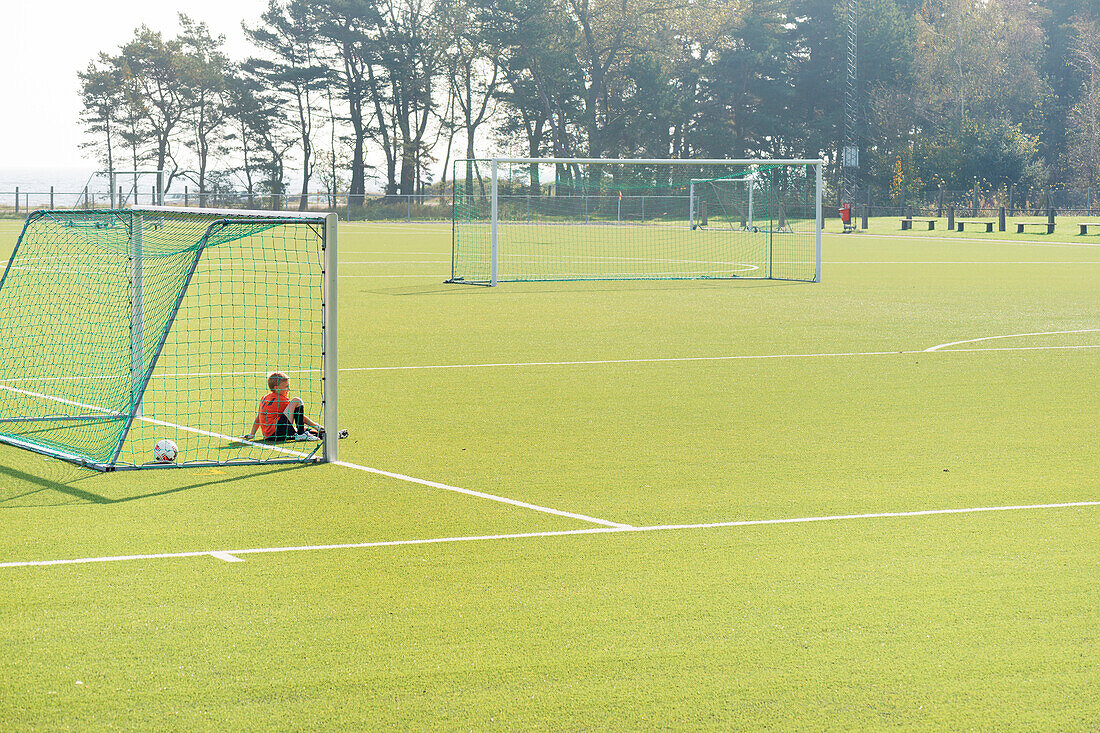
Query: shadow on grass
point(581, 287)
point(643, 286)
point(436, 288)
point(66, 487)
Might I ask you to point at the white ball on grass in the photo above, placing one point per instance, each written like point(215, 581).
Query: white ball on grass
point(165, 451)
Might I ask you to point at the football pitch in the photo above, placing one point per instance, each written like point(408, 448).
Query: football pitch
point(867, 503)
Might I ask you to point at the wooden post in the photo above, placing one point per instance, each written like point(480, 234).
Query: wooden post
point(1001, 219)
point(186, 196)
point(866, 209)
point(51, 197)
point(951, 218)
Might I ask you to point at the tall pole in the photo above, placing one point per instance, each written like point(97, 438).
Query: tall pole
point(331, 365)
point(691, 206)
point(493, 211)
point(137, 314)
point(818, 184)
point(850, 155)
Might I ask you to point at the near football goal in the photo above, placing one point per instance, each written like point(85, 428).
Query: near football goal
point(529, 219)
point(125, 327)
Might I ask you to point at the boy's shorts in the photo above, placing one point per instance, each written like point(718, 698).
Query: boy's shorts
point(284, 429)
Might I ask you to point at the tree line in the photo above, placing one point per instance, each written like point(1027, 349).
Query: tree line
point(952, 93)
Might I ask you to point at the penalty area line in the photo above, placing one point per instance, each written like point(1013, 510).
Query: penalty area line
point(231, 555)
point(480, 495)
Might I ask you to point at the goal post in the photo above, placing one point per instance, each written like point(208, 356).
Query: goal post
point(126, 326)
point(536, 219)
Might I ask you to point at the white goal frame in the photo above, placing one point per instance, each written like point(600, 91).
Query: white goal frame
point(330, 377)
point(114, 177)
point(695, 221)
point(494, 167)
point(324, 224)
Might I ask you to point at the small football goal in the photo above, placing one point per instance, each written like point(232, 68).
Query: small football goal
point(124, 327)
point(529, 219)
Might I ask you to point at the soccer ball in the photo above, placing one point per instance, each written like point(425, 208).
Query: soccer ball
point(165, 451)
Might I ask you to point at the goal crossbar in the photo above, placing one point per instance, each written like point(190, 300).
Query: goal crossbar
point(657, 161)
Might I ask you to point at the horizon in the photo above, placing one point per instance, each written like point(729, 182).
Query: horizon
point(42, 56)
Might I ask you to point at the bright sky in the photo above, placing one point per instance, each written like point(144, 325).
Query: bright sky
point(43, 43)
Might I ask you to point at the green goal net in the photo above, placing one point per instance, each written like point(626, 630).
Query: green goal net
point(584, 219)
point(125, 327)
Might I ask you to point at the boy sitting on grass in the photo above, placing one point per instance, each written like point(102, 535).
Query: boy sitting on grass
point(282, 417)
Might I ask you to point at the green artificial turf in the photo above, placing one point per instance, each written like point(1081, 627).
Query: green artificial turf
point(700, 402)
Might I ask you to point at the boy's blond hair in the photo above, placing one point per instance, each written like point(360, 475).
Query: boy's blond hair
point(275, 379)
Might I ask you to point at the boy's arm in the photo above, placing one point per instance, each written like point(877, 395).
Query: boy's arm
point(255, 427)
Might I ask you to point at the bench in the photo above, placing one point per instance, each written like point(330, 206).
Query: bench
point(1086, 224)
point(978, 222)
point(907, 222)
point(1046, 225)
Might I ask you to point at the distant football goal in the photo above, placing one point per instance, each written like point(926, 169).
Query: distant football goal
point(529, 219)
point(125, 328)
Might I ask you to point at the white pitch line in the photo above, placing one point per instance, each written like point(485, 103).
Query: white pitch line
point(422, 227)
point(558, 533)
point(228, 557)
point(653, 360)
point(961, 262)
point(480, 495)
point(154, 421)
point(222, 436)
point(390, 474)
point(696, 358)
point(389, 252)
point(830, 262)
point(551, 363)
point(1010, 348)
point(1010, 336)
point(60, 400)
